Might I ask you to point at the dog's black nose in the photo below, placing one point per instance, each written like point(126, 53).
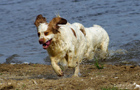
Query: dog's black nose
point(41, 41)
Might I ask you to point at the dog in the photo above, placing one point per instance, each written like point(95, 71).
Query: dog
point(97, 41)
point(63, 41)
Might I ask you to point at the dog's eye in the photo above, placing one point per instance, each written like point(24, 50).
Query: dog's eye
point(46, 33)
point(38, 34)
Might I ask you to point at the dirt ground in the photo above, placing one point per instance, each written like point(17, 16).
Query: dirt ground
point(42, 77)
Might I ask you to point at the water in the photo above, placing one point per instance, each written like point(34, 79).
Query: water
point(18, 35)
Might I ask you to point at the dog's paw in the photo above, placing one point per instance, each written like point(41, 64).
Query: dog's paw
point(60, 73)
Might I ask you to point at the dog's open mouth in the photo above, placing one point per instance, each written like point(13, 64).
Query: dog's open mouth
point(46, 45)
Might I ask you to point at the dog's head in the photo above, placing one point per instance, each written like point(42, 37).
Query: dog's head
point(46, 31)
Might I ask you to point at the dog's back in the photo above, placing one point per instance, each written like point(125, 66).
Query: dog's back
point(96, 38)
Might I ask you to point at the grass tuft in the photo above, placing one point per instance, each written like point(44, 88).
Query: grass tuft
point(97, 64)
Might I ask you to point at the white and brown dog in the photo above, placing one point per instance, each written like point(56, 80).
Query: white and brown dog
point(65, 43)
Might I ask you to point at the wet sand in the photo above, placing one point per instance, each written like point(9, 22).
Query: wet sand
point(42, 77)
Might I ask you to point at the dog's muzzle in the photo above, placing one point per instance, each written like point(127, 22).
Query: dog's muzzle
point(41, 41)
point(45, 44)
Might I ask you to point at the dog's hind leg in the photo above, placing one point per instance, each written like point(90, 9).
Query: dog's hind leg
point(56, 67)
point(90, 54)
point(104, 50)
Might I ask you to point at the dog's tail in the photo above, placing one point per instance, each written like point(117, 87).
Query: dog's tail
point(97, 26)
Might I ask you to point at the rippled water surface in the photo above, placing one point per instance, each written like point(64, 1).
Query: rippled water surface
point(19, 41)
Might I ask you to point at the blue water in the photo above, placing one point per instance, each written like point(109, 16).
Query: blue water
point(18, 35)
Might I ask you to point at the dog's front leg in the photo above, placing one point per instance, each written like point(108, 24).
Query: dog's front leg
point(56, 67)
point(77, 70)
point(71, 62)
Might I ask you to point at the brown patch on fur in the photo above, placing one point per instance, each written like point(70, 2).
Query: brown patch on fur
point(53, 25)
point(48, 32)
point(40, 19)
point(83, 31)
point(73, 32)
point(66, 57)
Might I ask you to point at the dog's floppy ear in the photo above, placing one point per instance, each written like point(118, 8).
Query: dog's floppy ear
point(61, 21)
point(56, 21)
point(39, 19)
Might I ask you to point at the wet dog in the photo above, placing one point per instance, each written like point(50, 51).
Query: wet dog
point(65, 43)
point(97, 41)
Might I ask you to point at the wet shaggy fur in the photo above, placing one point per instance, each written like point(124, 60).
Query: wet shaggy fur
point(63, 41)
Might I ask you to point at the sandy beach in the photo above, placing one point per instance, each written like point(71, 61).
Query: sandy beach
point(42, 77)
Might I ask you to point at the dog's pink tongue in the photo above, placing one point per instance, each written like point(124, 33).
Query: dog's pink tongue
point(46, 45)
